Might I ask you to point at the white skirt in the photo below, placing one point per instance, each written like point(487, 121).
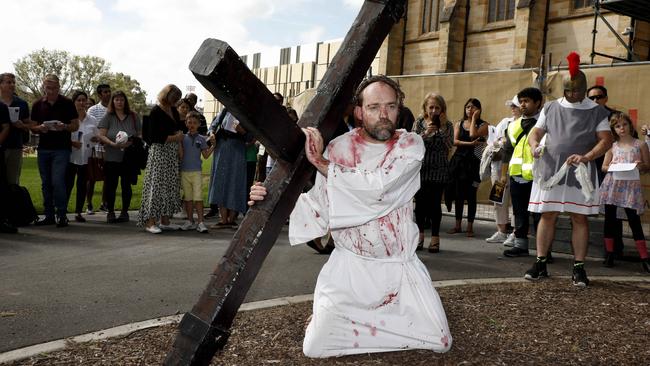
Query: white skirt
point(562, 198)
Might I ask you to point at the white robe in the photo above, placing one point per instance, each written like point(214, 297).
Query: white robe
point(374, 294)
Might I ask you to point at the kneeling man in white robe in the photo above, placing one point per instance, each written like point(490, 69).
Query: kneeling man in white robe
point(374, 294)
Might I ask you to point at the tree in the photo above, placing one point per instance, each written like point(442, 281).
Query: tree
point(131, 87)
point(86, 72)
point(31, 69)
point(75, 73)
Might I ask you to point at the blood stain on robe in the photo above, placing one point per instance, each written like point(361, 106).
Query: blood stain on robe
point(356, 332)
point(388, 300)
point(356, 345)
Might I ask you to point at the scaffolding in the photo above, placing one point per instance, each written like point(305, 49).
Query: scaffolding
point(635, 9)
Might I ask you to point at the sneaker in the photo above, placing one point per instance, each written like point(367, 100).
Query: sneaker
point(497, 237)
point(580, 277)
point(62, 221)
point(536, 272)
point(188, 225)
point(103, 207)
point(45, 221)
point(110, 218)
point(201, 228)
point(90, 211)
point(79, 218)
point(510, 241)
point(153, 229)
point(515, 252)
point(549, 258)
point(170, 227)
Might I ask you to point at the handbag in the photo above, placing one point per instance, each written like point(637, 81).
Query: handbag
point(478, 149)
point(95, 166)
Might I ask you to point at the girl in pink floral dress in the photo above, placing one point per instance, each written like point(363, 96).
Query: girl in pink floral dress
point(623, 189)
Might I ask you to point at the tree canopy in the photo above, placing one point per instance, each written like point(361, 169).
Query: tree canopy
point(75, 72)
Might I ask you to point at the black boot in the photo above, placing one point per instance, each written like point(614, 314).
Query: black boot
point(645, 263)
point(609, 260)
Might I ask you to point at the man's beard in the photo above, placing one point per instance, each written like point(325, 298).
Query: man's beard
point(382, 131)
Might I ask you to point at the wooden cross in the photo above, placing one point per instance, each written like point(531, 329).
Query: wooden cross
point(205, 330)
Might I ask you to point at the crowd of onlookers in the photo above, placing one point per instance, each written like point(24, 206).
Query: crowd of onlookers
point(81, 142)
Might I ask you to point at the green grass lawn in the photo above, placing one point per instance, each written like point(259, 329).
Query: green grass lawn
point(31, 179)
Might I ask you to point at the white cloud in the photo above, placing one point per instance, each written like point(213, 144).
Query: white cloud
point(353, 4)
point(153, 41)
point(312, 35)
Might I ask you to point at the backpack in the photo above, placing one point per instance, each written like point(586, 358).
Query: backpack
point(22, 209)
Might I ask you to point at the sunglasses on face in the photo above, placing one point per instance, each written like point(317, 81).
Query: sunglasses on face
point(596, 97)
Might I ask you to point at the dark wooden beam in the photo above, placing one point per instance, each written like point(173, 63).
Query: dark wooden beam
point(205, 330)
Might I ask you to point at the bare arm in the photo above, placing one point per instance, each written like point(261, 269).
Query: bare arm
point(475, 132)
point(106, 141)
point(177, 137)
point(457, 141)
point(645, 158)
point(607, 161)
point(534, 137)
point(207, 152)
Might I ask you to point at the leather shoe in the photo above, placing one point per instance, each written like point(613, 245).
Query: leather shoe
point(45, 221)
point(7, 228)
point(515, 252)
point(62, 222)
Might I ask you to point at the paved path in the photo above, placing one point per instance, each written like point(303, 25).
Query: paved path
point(57, 283)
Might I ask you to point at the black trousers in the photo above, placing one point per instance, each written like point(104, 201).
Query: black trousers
point(4, 189)
point(428, 207)
point(520, 197)
point(112, 173)
point(611, 223)
point(465, 191)
point(78, 172)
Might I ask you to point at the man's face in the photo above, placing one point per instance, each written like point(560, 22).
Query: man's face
point(105, 95)
point(51, 89)
point(597, 96)
point(528, 106)
point(575, 95)
point(378, 112)
point(8, 86)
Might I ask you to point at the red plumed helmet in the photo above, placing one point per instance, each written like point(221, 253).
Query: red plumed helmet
point(574, 64)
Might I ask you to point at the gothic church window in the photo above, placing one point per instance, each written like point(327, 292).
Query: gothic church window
point(499, 10)
point(432, 9)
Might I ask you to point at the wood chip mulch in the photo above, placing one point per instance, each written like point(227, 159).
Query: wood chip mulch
point(546, 323)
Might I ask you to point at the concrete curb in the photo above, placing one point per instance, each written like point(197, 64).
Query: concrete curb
point(123, 330)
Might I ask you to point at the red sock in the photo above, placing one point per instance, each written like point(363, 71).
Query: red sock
point(609, 245)
point(642, 248)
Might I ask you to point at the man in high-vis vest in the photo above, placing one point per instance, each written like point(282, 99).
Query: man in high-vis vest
point(518, 163)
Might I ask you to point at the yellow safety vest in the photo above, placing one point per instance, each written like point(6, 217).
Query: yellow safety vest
point(521, 163)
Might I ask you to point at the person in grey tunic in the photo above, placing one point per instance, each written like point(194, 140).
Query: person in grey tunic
point(576, 132)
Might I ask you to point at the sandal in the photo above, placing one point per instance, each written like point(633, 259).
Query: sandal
point(221, 225)
point(434, 247)
point(420, 242)
point(455, 230)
